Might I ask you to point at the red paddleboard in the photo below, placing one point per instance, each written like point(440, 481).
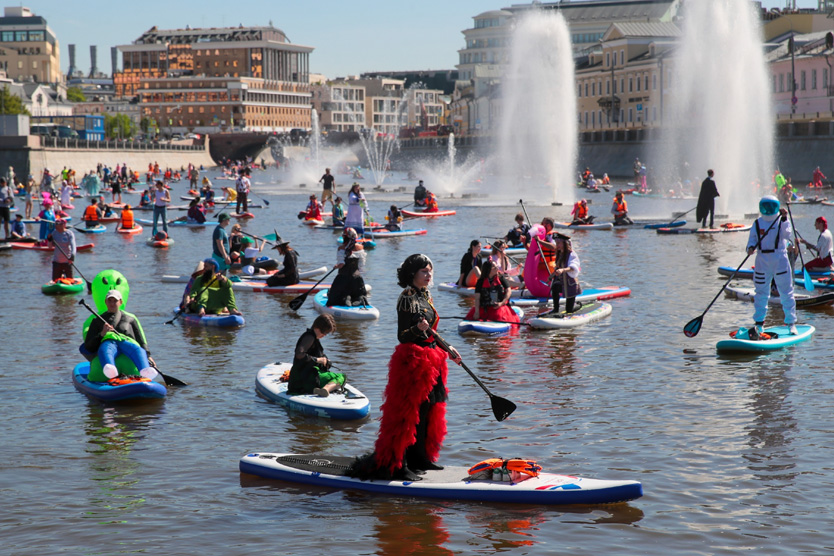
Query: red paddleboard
point(50, 248)
point(421, 214)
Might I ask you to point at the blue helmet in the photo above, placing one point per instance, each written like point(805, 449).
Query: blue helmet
point(769, 205)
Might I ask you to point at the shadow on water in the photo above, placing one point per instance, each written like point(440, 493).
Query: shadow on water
point(113, 432)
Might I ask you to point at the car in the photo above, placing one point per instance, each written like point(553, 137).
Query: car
point(177, 137)
point(192, 136)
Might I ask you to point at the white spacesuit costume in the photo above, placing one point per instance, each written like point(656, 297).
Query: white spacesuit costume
point(772, 263)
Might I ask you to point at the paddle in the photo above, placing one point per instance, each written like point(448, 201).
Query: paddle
point(169, 380)
point(64, 253)
point(809, 284)
point(296, 303)
point(501, 407)
point(677, 215)
point(692, 328)
point(198, 294)
point(498, 321)
point(261, 198)
point(253, 236)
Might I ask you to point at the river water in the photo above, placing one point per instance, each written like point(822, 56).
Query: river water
point(734, 453)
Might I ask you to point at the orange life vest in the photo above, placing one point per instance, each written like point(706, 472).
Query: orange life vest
point(549, 263)
point(580, 211)
point(91, 213)
point(621, 206)
point(127, 219)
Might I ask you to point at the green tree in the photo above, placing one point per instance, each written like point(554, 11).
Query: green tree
point(74, 94)
point(119, 126)
point(11, 104)
point(148, 126)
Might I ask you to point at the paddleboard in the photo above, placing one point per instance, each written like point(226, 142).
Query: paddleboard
point(303, 275)
point(486, 251)
point(136, 229)
point(724, 228)
point(590, 312)
point(599, 226)
point(524, 298)
point(179, 223)
point(421, 214)
point(344, 312)
point(37, 221)
point(242, 215)
point(50, 248)
point(63, 286)
point(313, 222)
point(451, 483)
point(677, 224)
point(259, 286)
point(352, 404)
point(104, 391)
point(226, 320)
point(748, 272)
point(98, 229)
point(389, 234)
point(802, 300)
point(784, 339)
point(487, 328)
point(160, 243)
point(825, 283)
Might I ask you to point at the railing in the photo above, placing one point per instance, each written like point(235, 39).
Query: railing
point(114, 144)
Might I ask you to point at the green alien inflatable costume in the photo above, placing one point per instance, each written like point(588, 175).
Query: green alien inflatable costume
point(105, 281)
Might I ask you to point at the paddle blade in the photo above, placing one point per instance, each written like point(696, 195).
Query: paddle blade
point(172, 381)
point(501, 407)
point(270, 237)
point(809, 284)
point(296, 303)
point(693, 327)
point(265, 201)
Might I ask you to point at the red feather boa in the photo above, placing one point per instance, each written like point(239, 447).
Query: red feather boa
point(412, 372)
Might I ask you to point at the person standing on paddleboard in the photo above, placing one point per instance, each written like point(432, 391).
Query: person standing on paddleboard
point(161, 198)
point(413, 422)
point(328, 182)
point(64, 254)
point(770, 241)
point(706, 201)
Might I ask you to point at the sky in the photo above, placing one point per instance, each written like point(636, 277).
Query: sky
point(349, 36)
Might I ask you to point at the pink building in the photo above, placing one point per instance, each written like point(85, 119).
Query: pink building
point(809, 67)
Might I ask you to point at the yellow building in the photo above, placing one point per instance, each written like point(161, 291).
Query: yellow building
point(28, 48)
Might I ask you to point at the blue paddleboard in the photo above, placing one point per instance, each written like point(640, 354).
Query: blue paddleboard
point(784, 339)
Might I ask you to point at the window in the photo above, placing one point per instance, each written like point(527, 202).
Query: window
point(34, 64)
point(36, 36)
point(579, 90)
point(586, 89)
point(654, 113)
point(593, 119)
point(608, 87)
point(630, 114)
point(790, 82)
point(775, 84)
point(594, 89)
point(20, 64)
point(607, 59)
point(622, 85)
point(630, 85)
point(825, 84)
point(20, 36)
point(586, 119)
point(814, 79)
point(802, 80)
point(8, 36)
point(654, 82)
point(781, 82)
point(622, 57)
point(646, 83)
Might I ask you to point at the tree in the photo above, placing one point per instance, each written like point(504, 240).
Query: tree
point(11, 104)
point(75, 94)
point(119, 126)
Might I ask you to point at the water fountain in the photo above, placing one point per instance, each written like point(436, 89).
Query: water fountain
point(537, 147)
point(720, 103)
point(452, 177)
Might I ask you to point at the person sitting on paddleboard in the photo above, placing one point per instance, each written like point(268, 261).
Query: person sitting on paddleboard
point(492, 297)
point(313, 210)
point(126, 220)
point(420, 195)
point(470, 265)
point(348, 287)
point(120, 334)
point(413, 422)
point(18, 228)
point(310, 372)
point(770, 238)
point(580, 213)
point(505, 265)
point(288, 275)
point(207, 193)
point(824, 247)
point(563, 279)
point(211, 292)
point(92, 214)
point(196, 212)
point(431, 202)
point(619, 209)
point(338, 212)
point(517, 236)
point(395, 219)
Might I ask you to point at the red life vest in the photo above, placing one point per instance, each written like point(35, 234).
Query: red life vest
point(127, 219)
point(580, 211)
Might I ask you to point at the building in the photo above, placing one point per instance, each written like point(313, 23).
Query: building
point(28, 48)
point(623, 82)
point(340, 106)
point(807, 67)
point(207, 80)
point(487, 43)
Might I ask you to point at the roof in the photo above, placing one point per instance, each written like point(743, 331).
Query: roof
point(607, 10)
point(643, 29)
point(212, 34)
point(493, 13)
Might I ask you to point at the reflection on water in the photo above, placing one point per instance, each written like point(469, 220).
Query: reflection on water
point(113, 432)
point(407, 528)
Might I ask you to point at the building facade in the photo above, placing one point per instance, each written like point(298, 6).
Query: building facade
point(340, 106)
point(28, 48)
point(622, 84)
point(208, 80)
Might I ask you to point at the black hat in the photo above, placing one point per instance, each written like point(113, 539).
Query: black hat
point(559, 235)
point(279, 242)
